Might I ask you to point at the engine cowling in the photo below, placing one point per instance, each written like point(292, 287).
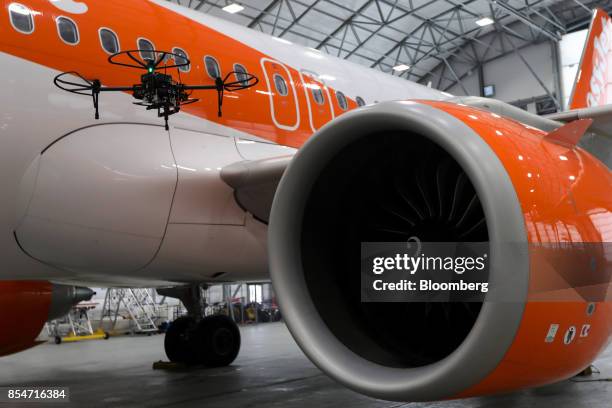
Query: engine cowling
point(25, 306)
point(358, 178)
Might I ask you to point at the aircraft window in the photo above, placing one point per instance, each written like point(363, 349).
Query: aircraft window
point(341, 100)
point(360, 101)
point(241, 74)
point(281, 85)
point(109, 41)
point(146, 49)
point(182, 59)
point(317, 94)
point(212, 67)
point(21, 18)
point(68, 30)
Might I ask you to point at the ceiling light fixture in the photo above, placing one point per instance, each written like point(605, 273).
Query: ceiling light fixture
point(485, 21)
point(401, 67)
point(233, 8)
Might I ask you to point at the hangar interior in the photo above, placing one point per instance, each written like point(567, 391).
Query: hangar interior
point(523, 52)
point(526, 50)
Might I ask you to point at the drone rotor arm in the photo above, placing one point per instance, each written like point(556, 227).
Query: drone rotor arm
point(198, 87)
point(117, 89)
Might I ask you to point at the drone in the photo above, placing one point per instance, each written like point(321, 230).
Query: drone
point(157, 89)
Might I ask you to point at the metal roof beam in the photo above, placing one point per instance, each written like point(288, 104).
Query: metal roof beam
point(263, 13)
point(525, 19)
point(344, 24)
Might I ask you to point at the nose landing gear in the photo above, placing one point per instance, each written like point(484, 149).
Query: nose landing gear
point(212, 341)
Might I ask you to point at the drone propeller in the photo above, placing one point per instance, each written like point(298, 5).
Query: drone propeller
point(149, 65)
point(224, 84)
point(88, 88)
point(156, 90)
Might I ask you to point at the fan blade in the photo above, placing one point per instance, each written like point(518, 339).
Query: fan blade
point(473, 203)
point(458, 184)
point(410, 204)
point(424, 196)
point(390, 211)
point(473, 228)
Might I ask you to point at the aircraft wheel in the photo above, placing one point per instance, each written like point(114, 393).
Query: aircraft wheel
point(219, 341)
point(180, 339)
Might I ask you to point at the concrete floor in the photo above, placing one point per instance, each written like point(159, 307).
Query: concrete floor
point(270, 372)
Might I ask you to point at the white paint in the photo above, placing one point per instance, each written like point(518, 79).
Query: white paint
point(70, 6)
point(55, 114)
point(274, 109)
point(586, 329)
point(251, 150)
point(569, 335)
point(201, 196)
point(552, 333)
point(99, 199)
point(571, 47)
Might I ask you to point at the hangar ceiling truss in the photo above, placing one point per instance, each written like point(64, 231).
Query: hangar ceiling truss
point(440, 40)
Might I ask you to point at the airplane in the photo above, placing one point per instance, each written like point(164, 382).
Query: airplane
point(318, 156)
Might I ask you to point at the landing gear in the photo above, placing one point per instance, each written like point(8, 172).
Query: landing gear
point(219, 339)
point(213, 341)
point(180, 343)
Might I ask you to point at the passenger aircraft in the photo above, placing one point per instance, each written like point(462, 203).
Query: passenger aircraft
point(286, 184)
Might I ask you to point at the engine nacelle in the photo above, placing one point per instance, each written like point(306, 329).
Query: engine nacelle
point(25, 306)
point(442, 172)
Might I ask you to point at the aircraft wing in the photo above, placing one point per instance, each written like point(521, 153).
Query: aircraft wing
point(601, 115)
point(254, 183)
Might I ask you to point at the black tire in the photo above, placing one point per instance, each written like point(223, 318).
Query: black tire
point(58, 340)
point(179, 341)
point(106, 335)
point(219, 341)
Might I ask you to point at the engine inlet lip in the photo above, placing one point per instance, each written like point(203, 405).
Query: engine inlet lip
point(498, 322)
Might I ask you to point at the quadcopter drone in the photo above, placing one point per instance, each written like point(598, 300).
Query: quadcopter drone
point(157, 89)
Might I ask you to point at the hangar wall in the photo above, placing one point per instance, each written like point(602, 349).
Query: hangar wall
point(512, 78)
point(514, 81)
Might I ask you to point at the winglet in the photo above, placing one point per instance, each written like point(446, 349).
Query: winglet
point(570, 133)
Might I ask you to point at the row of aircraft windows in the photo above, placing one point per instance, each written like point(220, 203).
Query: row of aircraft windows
point(22, 20)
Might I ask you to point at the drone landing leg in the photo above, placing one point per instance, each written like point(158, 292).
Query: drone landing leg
point(96, 97)
point(219, 85)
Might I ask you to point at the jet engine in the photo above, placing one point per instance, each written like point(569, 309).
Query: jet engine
point(444, 172)
point(25, 306)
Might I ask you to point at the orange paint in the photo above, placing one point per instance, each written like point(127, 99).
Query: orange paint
point(592, 60)
point(247, 110)
point(565, 198)
point(24, 306)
